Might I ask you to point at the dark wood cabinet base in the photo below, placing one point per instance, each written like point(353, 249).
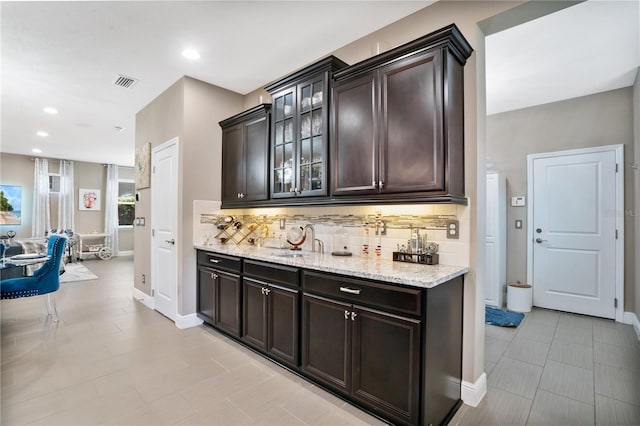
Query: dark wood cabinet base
point(393, 351)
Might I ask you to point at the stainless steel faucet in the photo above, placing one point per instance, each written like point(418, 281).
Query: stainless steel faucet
point(313, 238)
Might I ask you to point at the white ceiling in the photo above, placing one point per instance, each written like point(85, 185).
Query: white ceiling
point(68, 54)
point(588, 48)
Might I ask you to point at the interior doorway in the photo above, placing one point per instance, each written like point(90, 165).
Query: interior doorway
point(575, 247)
point(164, 221)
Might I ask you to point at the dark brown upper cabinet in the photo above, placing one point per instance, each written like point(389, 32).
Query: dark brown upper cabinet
point(245, 157)
point(300, 130)
point(397, 123)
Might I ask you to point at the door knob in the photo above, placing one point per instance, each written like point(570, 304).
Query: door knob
point(171, 241)
point(539, 240)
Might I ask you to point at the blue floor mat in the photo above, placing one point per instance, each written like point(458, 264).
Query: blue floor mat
point(495, 316)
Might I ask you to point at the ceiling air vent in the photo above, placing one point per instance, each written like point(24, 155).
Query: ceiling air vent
point(124, 81)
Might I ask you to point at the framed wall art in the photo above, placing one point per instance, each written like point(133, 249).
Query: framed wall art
point(89, 199)
point(143, 166)
point(10, 205)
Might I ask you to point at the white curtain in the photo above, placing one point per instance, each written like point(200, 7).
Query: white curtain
point(111, 208)
point(67, 195)
point(41, 219)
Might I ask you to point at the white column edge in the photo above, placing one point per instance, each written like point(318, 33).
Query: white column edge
point(472, 393)
point(187, 321)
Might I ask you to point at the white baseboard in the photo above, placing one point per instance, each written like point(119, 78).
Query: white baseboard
point(125, 253)
point(472, 393)
point(631, 318)
point(187, 321)
point(146, 300)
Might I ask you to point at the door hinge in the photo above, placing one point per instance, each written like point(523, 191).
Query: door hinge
point(616, 234)
point(615, 302)
point(153, 292)
point(154, 168)
point(153, 232)
point(616, 167)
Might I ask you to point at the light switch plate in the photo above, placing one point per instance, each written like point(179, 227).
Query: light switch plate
point(518, 201)
point(518, 223)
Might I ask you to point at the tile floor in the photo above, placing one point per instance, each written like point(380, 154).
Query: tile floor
point(110, 360)
point(562, 369)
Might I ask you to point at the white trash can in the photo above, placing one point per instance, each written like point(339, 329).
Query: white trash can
point(519, 297)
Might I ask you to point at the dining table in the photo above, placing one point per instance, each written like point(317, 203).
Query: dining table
point(10, 265)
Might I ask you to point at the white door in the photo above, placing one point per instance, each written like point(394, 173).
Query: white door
point(573, 199)
point(496, 241)
point(164, 222)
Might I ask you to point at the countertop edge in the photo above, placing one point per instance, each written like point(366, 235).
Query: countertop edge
point(440, 273)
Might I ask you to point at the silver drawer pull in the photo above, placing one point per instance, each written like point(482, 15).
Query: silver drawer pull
point(214, 261)
point(350, 290)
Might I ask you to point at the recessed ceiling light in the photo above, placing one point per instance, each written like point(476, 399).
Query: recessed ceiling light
point(42, 134)
point(50, 110)
point(191, 54)
point(36, 150)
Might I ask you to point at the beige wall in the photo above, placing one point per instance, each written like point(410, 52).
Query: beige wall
point(190, 109)
point(19, 170)
point(156, 123)
point(595, 120)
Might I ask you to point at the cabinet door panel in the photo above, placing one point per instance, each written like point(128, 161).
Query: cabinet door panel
point(386, 363)
point(285, 127)
point(326, 337)
point(257, 151)
point(254, 322)
point(206, 295)
point(283, 324)
point(232, 163)
point(311, 157)
point(411, 135)
point(228, 303)
point(354, 155)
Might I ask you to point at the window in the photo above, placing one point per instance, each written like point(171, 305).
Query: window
point(54, 183)
point(126, 202)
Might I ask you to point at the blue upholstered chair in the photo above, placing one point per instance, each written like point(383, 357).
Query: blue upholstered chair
point(45, 280)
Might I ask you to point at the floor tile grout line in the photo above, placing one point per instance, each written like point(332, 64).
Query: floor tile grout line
point(616, 399)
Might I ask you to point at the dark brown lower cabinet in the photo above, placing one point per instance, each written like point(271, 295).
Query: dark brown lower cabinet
point(206, 294)
point(270, 319)
point(227, 302)
point(372, 356)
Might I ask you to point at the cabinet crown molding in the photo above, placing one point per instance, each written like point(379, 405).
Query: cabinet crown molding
point(330, 63)
point(449, 36)
point(239, 118)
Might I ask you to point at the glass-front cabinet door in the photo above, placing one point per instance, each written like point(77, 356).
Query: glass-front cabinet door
point(283, 145)
point(300, 131)
point(312, 153)
point(299, 145)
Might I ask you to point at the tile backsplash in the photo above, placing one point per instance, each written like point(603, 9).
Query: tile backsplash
point(388, 226)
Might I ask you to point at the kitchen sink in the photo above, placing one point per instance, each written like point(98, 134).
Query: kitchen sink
point(290, 254)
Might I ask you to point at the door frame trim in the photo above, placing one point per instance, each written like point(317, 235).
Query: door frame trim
point(154, 279)
point(618, 211)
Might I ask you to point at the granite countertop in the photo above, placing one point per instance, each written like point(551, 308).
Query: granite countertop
point(373, 268)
